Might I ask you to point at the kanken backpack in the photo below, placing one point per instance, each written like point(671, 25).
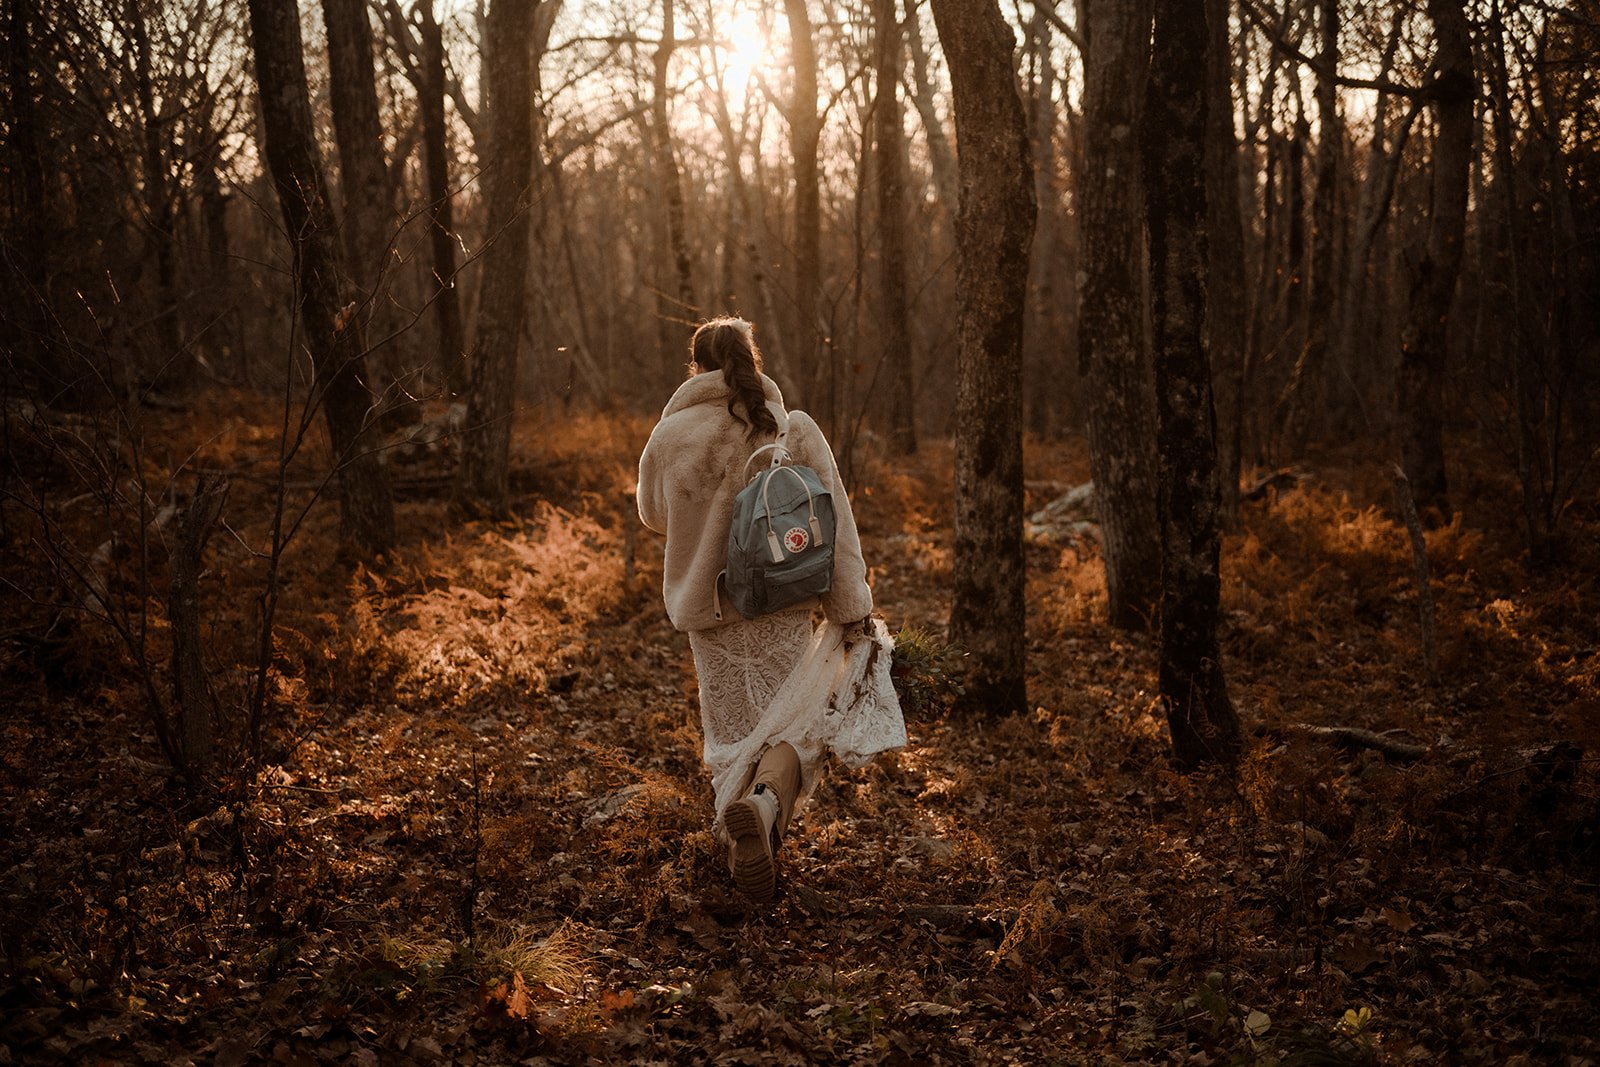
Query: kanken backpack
point(780, 546)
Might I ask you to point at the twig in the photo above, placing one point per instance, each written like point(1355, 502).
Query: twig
point(1419, 560)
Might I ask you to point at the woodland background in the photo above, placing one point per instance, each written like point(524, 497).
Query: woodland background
point(343, 719)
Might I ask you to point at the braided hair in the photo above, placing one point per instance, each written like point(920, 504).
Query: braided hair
point(729, 345)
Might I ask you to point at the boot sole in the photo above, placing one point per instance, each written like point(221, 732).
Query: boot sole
point(753, 869)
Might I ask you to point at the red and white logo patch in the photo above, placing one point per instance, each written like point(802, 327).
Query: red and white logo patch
point(796, 541)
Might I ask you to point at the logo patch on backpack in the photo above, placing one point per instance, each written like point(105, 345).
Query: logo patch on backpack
point(796, 541)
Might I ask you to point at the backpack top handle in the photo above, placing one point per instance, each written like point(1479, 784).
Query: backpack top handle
point(780, 450)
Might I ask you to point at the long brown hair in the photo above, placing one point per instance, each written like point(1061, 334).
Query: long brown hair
point(729, 345)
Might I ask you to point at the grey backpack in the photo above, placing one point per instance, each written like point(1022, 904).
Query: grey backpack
point(780, 546)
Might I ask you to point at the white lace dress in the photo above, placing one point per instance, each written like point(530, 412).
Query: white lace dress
point(773, 679)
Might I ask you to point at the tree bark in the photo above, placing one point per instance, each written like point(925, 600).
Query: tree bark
point(894, 346)
point(1225, 309)
point(994, 229)
point(160, 213)
point(29, 228)
point(941, 160)
point(358, 133)
point(486, 445)
point(334, 343)
point(805, 130)
point(1200, 716)
point(1433, 275)
point(1111, 349)
point(451, 351)
point(1308, 388)
point(671, 181)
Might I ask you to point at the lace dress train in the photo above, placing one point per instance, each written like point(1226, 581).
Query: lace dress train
point(773, 679)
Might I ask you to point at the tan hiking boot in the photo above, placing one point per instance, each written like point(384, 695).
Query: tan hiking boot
point(753, 840)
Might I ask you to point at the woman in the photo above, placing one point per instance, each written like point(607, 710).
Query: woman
point(767, 726)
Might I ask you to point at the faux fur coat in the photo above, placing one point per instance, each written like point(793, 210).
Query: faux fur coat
point(690, 472)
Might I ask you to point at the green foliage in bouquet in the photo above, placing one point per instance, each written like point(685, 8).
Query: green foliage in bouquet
point(926, 672)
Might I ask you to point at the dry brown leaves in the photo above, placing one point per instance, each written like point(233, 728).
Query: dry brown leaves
point(485, 836)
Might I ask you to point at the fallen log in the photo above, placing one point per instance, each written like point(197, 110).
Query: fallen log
point(1356, 737)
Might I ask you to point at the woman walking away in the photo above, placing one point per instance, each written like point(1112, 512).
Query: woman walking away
point(776, 695)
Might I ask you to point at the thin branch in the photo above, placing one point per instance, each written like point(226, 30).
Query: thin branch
point(1285, 47)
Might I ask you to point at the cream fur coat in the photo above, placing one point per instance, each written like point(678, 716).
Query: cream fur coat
point(693, 467)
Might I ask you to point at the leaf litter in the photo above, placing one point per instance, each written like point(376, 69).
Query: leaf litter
point(482, 835)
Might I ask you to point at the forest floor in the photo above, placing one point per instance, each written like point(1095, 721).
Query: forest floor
point(480, 834)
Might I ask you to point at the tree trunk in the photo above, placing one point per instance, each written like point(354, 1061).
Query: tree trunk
point(941, 160)
point(1046, 397)
point(1200, 716)
point(158, 203)
point(993, 232)
point(368, 204)
point(805, 129)
point(672, 184)
point(25, 330)
point(333, 340)
point(1225, 310)
point(1308, 388)
point(486, 444)
point(1111, 350)
point(451, 352)
point(894, 331)
point(1433, 275)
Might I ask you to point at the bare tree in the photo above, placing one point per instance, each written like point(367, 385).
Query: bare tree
point(667, 171)
point(1111, 348)
point(332, 333)
point(894, 335)
point(1200, 715)
point(441, 230)
point(1307, 391)
point(24, 326)
point(358, 133)
point(1435, 270)
point(994, 230)
point(1225, 309)
point(805, 130)
point(486, 446)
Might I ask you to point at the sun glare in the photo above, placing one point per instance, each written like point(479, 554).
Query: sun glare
point(743, 42)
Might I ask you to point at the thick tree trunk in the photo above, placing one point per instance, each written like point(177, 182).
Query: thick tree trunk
point(805, 129)
point(333, 340)
point(894, 344)
point(486, 444)
point(993, 232)
point(1226, 322)
point(451, 352)
point(368, 203)
point(1433, 275)
point(1200, 716)
point(1111, 349)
